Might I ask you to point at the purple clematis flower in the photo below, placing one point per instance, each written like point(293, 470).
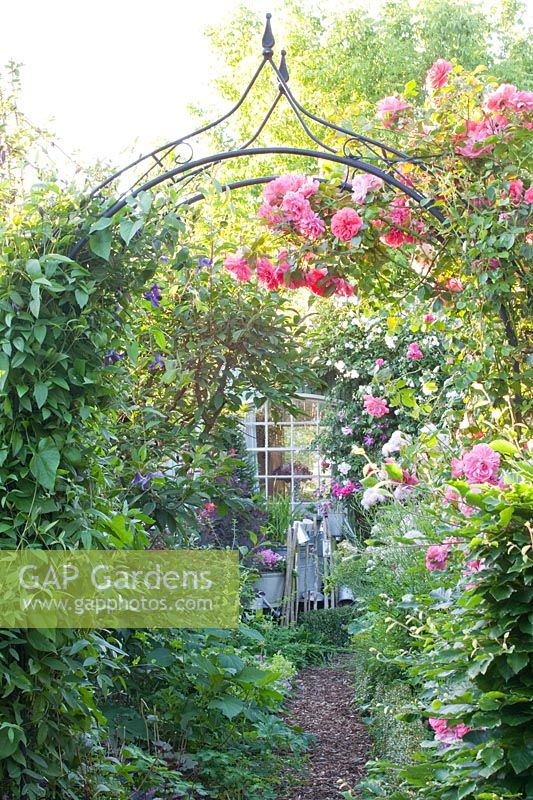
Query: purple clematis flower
point(203, 261)
point(368, 440)
point(144, 480)
point(111, 357)
point(163, 259)
point(157, 363)
point(154, 295)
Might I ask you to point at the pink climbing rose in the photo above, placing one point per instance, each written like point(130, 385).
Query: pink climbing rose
point(528, 197)
point(414, 352)
point(345, 224)
point(362, 184)
point(449, 734)
point(437, 74)
point(430, 318)
point(481, 464)
point(389, 109)
point(296, 207)
point(239, 267)
point(454, 285)
point(268, 275)
point(380, 362)
point(516, 190)
point(375, 406)
point(436, 557)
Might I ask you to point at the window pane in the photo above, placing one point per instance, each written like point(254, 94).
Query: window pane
point(261, 463)
point(279, 436)
point(304, 436)
point(260, 434)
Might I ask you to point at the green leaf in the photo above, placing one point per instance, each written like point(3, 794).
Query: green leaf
point(394, 472)
point(33, 268)
point(101, 224)
point(4, 370)
point(128, 228)
point(40, 394)
point(159, 337)
point(35, 302)
point(504, 447)
point(520, 758)
point(100, 243)
point(230, 706)
point(40, 332)
point(82, 298)
point(43, 466)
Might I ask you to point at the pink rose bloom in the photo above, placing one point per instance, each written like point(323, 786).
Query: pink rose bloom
point(474, 566)
point(380, 362)
point(465, 509)
point(345, 224)
point(296, 207)
point(449, 734)
point(362, 184)
point(523, 102)
point(398, 212)
point(269, 276)
point(454, 285)
point(389, 108)
point(437, 75)
point(502, 98)
point(458, 469)
point(451, 495)
point(316, 281)
point(483, 264)
point(397, 238)
point(375, 406)
point(436, 557)
point(239, 267)
point(516, 189)
point(477, 132)
point(275, 191)
point(414, 352)
point(270, 214)
point(481, 464)
point(528, 197)
point(343, 288)
point(429, 318)
point(312, 227)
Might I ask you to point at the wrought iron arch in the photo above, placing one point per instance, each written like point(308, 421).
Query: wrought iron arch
point(356, 152)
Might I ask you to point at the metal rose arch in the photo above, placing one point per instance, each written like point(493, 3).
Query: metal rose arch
point(167, 163)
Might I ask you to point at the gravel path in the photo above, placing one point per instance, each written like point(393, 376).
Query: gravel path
point(323, 706)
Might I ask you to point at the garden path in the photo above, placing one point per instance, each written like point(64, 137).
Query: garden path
point(323, 706)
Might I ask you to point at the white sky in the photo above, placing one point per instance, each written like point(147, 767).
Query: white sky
point(109, 75)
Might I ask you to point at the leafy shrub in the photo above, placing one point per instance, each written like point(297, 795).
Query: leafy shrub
point(330, 625)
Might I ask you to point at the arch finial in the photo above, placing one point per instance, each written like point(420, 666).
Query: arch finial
point(283, 69)
point(268, 38)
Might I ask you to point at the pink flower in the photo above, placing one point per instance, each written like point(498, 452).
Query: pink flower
point(275, 191)
point(312, 227)
point(343, 288)
point(389, 108)
point(476, 133)
point(523, 102)
point(239, 267)
point(436, 557)
point(437, 74)
point(347, 431)
point(269, 558)
point(345, 224)
point(380, 362)
point(414, 352)
point(429, 318)
point(269, 276)
point(528, 197)
point(409, 479)
point(474, 566)
point(296, 207)
point(483, 265)
point(396, 238)
point(451, 495)
point(362, 184)
point(481, 464)
point(458, 469)
point(375, 406)
point(316, 281)
point(270, 214)
point(516, 189)
point(449, 734)
point(341, 491)
point(454, 285)
point(502, 98)
point(398, 212)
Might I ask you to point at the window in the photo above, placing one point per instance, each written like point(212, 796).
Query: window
point(285, 451)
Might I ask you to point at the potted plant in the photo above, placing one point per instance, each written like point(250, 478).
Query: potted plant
point(271, 568)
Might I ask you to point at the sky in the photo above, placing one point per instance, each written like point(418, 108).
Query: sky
point(112, 78)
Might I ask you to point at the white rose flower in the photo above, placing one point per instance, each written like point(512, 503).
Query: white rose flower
point(390, 341)
point(344, 467)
